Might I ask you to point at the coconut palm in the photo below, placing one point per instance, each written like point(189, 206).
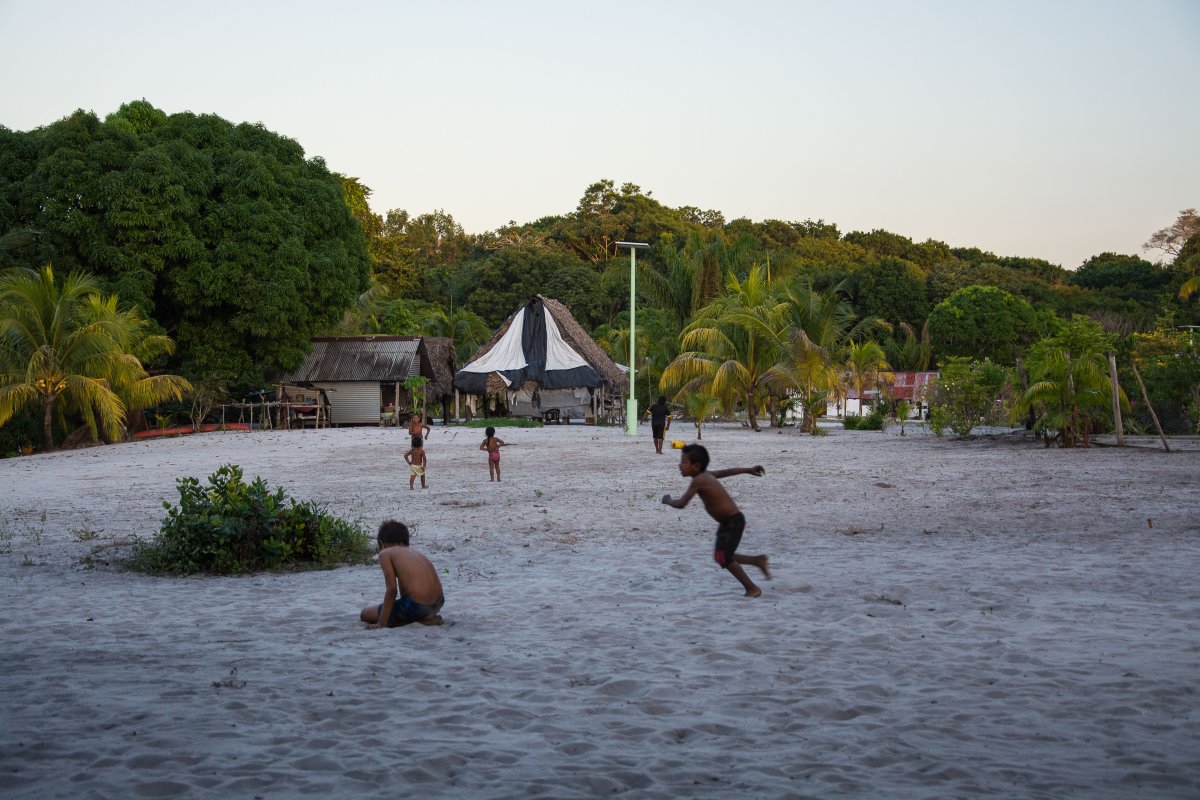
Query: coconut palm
point(866, 368)
point(700, 406)
point(464, 328)
point(69, 349)
point(1069, 381)
point(731, 344)
point(913, 353)
point(817, 328)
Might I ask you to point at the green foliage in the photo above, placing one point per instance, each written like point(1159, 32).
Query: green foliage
point(875, 420)
point(1069, 386)
point(415, 384)
point(966, 395)
point(69, 351)
point(1169, 363)
point(20, 433)
point(982, 322)
point(224, 234)
point(230, 526)
point(893, 290)
point(504, 422)
point(700, 406)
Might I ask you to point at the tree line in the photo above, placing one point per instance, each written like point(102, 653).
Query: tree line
point(227, 242)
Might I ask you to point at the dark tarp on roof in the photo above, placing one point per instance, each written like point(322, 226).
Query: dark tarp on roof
point(539, 367)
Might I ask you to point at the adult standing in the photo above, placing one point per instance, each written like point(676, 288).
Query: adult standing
point(660, 420)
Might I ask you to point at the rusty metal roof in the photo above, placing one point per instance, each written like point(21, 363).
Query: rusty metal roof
point(362, 358)
point(905, 386)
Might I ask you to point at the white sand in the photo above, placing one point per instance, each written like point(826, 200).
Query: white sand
point(947, 619)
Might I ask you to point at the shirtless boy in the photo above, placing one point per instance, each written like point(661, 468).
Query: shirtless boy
point(693, 463)
point(408, 574)
point(417, 462)
point(418, 427)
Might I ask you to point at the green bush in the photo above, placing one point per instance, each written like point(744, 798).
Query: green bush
point(230, 526)
point(504, 422)
point(871, 422)
point(874, 421)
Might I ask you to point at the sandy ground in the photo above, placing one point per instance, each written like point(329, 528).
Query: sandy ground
point(947, 619)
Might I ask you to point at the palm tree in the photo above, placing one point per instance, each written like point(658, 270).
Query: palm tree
point(700, 406)
point(912, 354)
point(69, 349)
point(866, 368)
point(464, 328)
point(818, 326)
point(1069, 380)
point(731, 344)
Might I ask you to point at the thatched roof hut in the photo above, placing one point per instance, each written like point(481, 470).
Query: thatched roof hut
point(444, 364)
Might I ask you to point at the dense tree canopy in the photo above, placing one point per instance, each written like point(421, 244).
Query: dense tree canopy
point(222, 233)
point(982, 321)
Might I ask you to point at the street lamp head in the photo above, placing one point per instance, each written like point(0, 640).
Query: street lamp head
point(634, 245)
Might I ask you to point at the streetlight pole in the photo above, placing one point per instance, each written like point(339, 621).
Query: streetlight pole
point(631, 419)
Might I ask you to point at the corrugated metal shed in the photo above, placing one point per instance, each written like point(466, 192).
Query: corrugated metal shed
point(362, 358)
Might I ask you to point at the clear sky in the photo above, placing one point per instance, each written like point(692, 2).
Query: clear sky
point(1045, 129)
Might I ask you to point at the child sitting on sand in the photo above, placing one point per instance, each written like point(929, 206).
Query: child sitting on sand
point(420, 590)
point(416, 460)
point(492, 445)
point(693, 463)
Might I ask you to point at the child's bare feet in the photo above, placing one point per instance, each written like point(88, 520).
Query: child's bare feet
point(755, 592)
point(436, 619)
point(764, 565)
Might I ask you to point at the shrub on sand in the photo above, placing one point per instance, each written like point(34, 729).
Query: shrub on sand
point(229, 526)
point(504, 422)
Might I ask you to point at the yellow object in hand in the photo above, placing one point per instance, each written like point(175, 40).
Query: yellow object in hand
point(676, 444)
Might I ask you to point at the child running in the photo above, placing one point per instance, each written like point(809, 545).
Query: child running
point(417, 461)
point(492, 445)
point(693, 463)
point(408, 574)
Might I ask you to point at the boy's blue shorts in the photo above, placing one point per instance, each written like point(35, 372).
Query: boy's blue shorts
point(406, 610)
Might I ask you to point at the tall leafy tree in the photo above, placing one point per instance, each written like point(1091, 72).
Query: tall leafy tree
point(69, 350)
point(982, 322)
point(891, 289)
point(223, 233)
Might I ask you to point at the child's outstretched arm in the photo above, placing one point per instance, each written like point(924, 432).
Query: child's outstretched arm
point(684, 498)
point(726, 473)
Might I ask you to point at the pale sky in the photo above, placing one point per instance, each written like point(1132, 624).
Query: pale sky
point(1056, 130)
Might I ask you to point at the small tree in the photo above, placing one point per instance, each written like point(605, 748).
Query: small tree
point(965, 395)
point(902, 408)
point(700, 406)
point(1069, 385)
point(416, 387)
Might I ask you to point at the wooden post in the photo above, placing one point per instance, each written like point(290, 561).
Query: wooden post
point(1116, 399)
point(1146, 397)
point(456, 405)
